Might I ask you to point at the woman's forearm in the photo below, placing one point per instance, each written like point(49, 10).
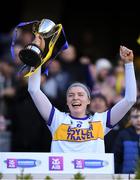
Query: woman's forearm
point(119, 110)
point(41, 101)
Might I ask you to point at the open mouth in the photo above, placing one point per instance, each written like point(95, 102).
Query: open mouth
point(76, 104)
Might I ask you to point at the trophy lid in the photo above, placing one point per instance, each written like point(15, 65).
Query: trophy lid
point(46, 25)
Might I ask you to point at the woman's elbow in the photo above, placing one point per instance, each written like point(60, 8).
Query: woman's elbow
point(31, 90)
point(132, 101)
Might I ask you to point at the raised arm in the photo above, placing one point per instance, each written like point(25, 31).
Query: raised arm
point(119, 110)
point(41, 101)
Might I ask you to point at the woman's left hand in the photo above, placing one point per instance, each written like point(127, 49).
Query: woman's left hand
point(126, 54)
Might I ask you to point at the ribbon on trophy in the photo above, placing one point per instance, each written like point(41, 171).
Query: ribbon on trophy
point(31, 55)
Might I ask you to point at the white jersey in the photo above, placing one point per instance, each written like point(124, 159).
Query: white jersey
point(70, 134)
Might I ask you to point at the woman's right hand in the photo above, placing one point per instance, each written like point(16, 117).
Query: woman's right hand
point(39, 41)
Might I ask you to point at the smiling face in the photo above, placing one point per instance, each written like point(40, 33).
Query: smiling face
point(77, 101)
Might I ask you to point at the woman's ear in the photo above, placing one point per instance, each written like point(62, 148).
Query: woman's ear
point(89, 101)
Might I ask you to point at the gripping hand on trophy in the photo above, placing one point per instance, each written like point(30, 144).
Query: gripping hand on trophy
point(39, 41)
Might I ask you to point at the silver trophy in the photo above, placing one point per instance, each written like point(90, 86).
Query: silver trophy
point(32, 55)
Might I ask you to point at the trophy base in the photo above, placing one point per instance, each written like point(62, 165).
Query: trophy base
point(30, 55)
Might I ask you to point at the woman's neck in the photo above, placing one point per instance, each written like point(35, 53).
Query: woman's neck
point(78, 115)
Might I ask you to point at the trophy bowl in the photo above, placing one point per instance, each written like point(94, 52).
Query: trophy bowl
point(31, 55)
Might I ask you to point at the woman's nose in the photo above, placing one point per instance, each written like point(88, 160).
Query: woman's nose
point(75, 96)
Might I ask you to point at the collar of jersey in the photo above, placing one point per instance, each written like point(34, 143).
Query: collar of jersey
point(84, 118)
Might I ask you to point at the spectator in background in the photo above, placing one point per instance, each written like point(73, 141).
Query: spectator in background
point(7, 86)
point(105, 80)
point(52, 84)
point(127, 145)
point(103, 67)
point(98, 103)
point(71, 64)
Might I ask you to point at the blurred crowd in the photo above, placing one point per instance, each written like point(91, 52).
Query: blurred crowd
point(22, 129)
